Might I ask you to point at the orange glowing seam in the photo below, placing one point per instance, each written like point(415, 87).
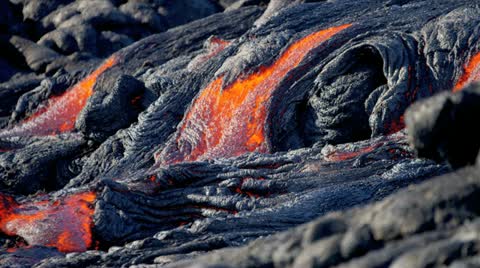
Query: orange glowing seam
point(471, 73)
point(61, 111)
point(64, 224)
point(230, 122)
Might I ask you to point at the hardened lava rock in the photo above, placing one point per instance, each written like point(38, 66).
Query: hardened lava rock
point(441, 127)
point(275, 131)
point(433, 224)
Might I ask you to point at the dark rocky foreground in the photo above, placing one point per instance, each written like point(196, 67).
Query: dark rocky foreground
point(236, 133)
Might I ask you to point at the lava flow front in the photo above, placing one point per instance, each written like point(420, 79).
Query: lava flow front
point(60, 113)
point(471, 73)
point(227, 122)
point(64, 224)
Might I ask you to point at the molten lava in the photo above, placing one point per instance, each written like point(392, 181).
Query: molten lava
point(471, 73)
point(227, 122)
point(61, 111)
point(64, 224)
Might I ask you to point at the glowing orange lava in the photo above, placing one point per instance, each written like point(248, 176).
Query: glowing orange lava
point(471, 73)
point(227, 122)
point(61, 111)
point(64, 224)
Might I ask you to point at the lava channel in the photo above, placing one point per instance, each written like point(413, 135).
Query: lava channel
point(65, 223)
point(471, 73)
point(60, 113)
point(228, 122)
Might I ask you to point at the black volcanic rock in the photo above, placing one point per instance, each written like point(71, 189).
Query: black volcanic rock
point(102, 117)
point(182, 11)
point(38, 166)
point(441, 127)
point(28, 257)
point(79, 37)
point(429, 225)
point(249, 137)
point(37, 9)
point(144, 14)
point(37, 57)
point(11, 91)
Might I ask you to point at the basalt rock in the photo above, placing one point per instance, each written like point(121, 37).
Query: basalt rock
point(430, 225)
point(110, 109)
point(37, 57)
point(276, 133)
point(440, 127)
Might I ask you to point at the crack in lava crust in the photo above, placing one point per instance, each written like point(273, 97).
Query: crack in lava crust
point(230, 122)
point(64, 224)
point(61, 111)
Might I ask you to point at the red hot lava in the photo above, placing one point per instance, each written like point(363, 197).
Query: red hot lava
point(471, 73)
point(61, 111)
point(228, 122)
point(64, 224)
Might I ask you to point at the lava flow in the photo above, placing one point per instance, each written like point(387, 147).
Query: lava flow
point(64, 224)
point(60, 113)
point(471, 73)
point(228, 122)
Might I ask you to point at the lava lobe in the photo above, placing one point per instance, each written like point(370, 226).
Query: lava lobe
point(64, 223)
point(230, 121)
point(60, 113)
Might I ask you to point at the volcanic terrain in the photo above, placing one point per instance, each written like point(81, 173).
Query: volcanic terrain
point(239, 133)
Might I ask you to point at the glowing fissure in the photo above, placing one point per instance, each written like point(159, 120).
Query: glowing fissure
point(471, 73)
point(60, 113)
point(228, 122)
point(65, 224)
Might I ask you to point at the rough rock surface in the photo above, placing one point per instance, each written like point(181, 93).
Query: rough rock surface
point(441, 129)
point(239, 133)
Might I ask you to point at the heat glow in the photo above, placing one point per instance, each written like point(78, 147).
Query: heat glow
point(471, 73)
point(60, 113)
point(65, 223)
point(228, 122)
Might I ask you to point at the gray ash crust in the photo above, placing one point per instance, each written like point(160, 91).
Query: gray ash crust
point(350, 89)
